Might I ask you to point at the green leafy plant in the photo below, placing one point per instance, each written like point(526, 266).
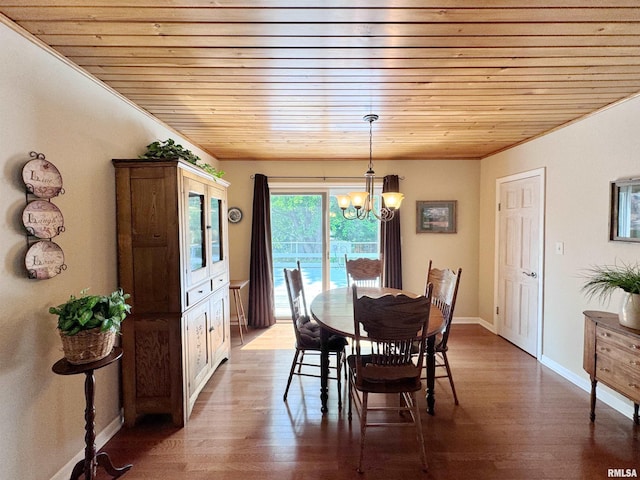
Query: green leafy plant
point(169, 149)
point(92, 311)
point(603, 280)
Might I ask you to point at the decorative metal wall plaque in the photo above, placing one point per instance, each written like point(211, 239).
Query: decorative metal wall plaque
point(44, 259)
point(41, 177)
point(42, 219)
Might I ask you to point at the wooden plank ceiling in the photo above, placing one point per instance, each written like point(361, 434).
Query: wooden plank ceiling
point(292, 79)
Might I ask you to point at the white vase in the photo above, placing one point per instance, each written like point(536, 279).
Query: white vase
point(630, 310)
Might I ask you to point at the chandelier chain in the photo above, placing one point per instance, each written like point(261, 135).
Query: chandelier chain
point(363, 202)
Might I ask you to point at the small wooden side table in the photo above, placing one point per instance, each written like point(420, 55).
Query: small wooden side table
point(91, 460)
point(235, 286)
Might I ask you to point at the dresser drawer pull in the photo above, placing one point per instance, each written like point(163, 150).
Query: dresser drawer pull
point(635, 347)
point(605, 349)
point(605, 334)
point(634, 362)
point(634, 385)
point(604, 369)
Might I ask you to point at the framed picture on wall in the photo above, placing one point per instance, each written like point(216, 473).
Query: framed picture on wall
point(436, 216)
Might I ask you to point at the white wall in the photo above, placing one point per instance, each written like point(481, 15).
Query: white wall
point(580, 160)
point(48, 107)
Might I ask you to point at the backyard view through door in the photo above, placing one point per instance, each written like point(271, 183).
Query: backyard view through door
point(309, 227)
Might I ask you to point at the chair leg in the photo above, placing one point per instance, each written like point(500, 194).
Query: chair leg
point(350, 393)
point(339, 367)
point(293, 367)
point(453, 388)
point(419, 435)
point(363, 428)
point(301, 361)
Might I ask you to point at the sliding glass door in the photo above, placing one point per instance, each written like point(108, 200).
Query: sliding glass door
point(297, 234)
point(308, 226)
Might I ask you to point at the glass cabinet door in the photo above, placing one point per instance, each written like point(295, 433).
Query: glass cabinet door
point(196, 214)
point(196, 238)
point(216, 232)
point(205, 214)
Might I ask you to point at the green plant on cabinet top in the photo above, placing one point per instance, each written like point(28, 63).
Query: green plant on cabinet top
point(169, 149)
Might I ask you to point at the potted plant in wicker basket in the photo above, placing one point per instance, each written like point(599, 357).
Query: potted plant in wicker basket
point(88, 324)
point(603, 280)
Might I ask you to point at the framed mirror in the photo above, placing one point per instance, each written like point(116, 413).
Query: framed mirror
point(625, 210)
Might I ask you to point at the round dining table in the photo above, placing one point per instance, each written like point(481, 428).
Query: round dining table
point(333, 310)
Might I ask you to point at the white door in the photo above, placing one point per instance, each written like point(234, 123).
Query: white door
point(520, 261)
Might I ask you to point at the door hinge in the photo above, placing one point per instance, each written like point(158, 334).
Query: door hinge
point(499, 206)
point(497, 310)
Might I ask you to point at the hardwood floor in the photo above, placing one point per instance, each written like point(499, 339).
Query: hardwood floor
point(516, 420)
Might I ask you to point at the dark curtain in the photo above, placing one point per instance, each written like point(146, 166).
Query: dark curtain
point(261, 303)
point(390, 240)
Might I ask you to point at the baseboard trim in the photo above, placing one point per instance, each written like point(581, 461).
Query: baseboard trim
point(475, 321)
point(101, 439)
point(623, 406)
point(603, 393)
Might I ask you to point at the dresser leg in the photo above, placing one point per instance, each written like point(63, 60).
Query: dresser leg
point(592, 416)
point(636, 418)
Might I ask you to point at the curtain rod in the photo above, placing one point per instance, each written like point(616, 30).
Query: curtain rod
point(279, 177)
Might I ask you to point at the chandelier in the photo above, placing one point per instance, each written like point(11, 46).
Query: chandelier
point(362, 202)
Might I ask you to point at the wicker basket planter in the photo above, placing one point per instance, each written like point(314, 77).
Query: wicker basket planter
point(88, 324)
point(87, 346)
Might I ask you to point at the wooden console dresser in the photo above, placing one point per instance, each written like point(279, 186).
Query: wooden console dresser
point(173, 260)
point(612, 356)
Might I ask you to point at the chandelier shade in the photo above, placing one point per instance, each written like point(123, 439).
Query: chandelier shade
point(362, 202)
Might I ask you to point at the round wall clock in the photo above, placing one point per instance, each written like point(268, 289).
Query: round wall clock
point(234, 215)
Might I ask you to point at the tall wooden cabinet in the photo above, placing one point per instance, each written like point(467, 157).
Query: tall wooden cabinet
point(173, 260)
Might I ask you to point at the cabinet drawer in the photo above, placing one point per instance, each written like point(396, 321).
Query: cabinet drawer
point(619, 355)
point(622, 379)
point(219, 280)
point(613, 339)
point(199, 292)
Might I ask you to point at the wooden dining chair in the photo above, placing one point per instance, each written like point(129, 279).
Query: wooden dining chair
point(307, 334)
point(364, 272)
point(445, 292)
point(391, 325)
